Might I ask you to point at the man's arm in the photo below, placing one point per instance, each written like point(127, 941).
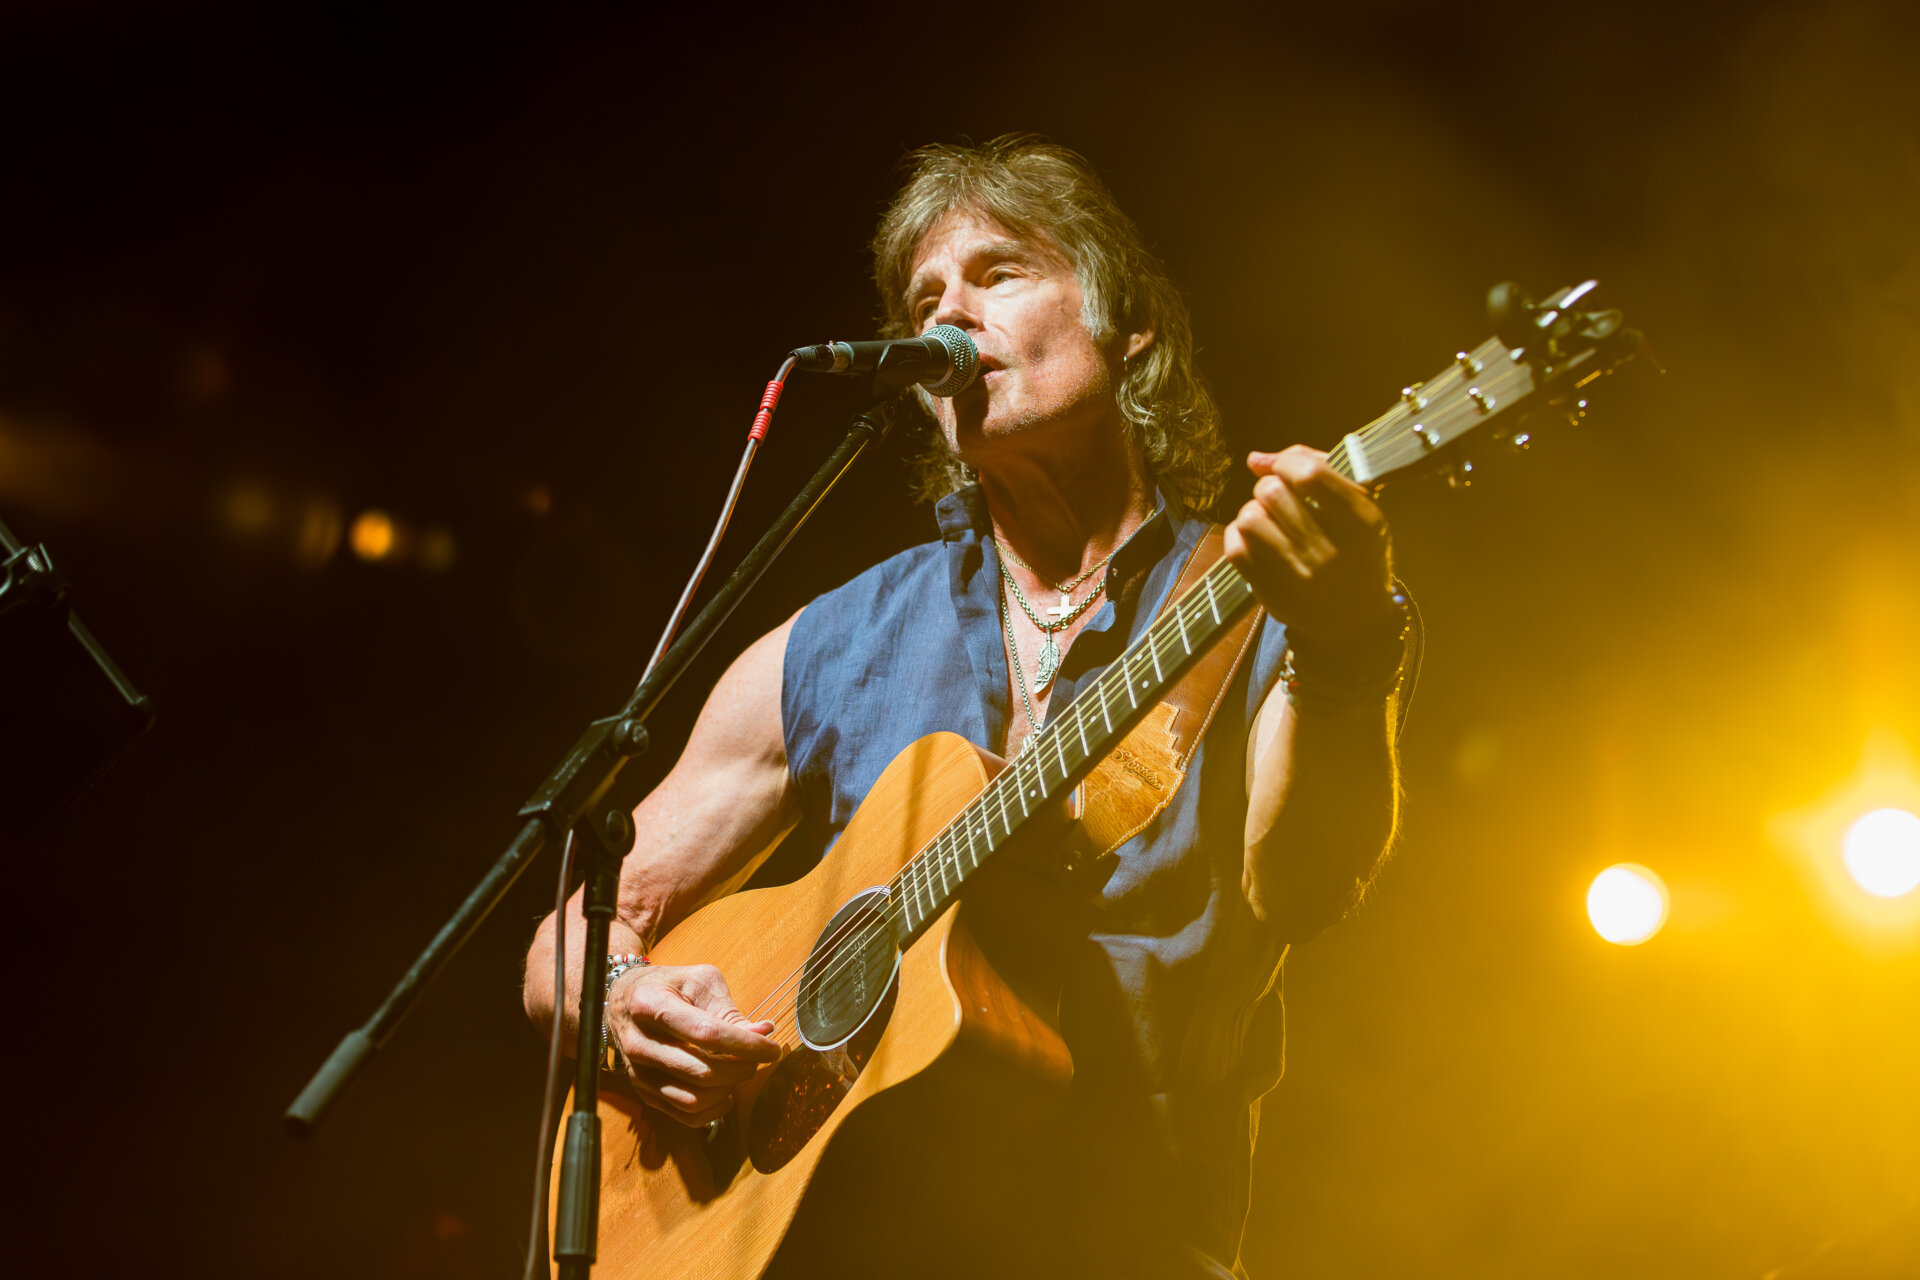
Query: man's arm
point(699, 834)
point(1322, 808)
point(1322, 784)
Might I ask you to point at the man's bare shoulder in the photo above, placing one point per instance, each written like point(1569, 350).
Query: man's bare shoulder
point(741, 720)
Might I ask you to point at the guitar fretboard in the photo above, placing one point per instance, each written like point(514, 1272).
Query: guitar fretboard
point(1068, 747)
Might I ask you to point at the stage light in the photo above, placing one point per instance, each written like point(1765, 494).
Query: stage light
point(1882, 852)
point(372, 535)
point(1627, 904)
point(1859, 846)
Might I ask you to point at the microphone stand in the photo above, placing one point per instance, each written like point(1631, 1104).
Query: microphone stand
point(574, 798)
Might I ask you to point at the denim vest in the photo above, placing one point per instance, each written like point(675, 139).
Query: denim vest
point(914, 646)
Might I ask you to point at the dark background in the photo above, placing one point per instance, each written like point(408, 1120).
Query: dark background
point(265, 267)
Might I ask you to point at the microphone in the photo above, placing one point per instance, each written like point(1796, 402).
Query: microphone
point(943, 359)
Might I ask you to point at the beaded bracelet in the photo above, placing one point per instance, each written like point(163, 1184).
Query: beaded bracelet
point(1315, 689)
point(616, 965)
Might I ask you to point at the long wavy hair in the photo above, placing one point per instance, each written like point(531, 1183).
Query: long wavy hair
point(1047, 194)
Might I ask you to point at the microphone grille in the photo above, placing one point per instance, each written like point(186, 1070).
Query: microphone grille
point(963, 359)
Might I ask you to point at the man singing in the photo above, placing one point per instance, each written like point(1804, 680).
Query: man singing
point(1071, 480)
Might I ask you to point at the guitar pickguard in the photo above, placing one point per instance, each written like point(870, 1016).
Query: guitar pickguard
point(806, 1086)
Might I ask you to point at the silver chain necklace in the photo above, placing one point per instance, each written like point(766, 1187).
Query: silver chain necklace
point(1019, 676)
point(1064, 588)
point(1064, 613)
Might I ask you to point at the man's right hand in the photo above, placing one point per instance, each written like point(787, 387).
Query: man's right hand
point(685, 1043)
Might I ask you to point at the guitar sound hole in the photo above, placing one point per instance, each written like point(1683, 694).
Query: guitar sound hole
point(849, 972)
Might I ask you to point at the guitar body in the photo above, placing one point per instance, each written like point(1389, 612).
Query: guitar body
point(717, 1203)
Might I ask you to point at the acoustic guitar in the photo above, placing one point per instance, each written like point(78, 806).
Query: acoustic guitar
point(872, 965)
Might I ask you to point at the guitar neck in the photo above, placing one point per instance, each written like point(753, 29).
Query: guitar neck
point(1462, 401)
point(1068, 748)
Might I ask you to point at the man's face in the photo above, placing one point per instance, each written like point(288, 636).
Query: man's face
point(1039, 367)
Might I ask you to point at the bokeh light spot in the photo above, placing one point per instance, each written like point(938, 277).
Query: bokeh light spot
point(319, 533)
point(437, 550)
point(1882, 852)
point(1627, 903)
point(248, 508)
point(372, 535)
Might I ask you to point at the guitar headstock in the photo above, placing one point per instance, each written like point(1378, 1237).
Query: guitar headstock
point(1542, 358)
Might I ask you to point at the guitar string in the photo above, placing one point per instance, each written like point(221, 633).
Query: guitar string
point(914, 877)
point(911, 882)
point(1155, 645)
point(1379, 435)
point(1158, 643)
point(1450, 374)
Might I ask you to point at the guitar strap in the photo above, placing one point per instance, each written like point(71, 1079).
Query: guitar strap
point(1137, 779)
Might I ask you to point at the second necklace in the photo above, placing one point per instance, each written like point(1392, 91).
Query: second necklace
point(1063, 615)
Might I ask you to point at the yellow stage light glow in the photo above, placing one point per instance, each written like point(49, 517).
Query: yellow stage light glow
point(1627, 904)
point(1882, 852)
point(372, 535)
point(1859, 846)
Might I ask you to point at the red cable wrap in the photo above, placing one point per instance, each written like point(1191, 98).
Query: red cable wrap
point(768, 402)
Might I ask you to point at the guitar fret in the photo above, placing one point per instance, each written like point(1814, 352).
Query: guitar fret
point(950, 856)
point(918, 886)
point(1207, 582)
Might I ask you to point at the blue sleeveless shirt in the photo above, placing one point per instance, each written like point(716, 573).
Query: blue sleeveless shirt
point(914, 646)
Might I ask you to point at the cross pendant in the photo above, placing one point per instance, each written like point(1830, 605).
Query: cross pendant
point(1061, 610)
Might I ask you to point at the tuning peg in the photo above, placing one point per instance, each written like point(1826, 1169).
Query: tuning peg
point(1460, 475)
point(1519, 441)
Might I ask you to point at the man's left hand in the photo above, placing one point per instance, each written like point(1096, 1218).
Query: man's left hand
point(1316, 549)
